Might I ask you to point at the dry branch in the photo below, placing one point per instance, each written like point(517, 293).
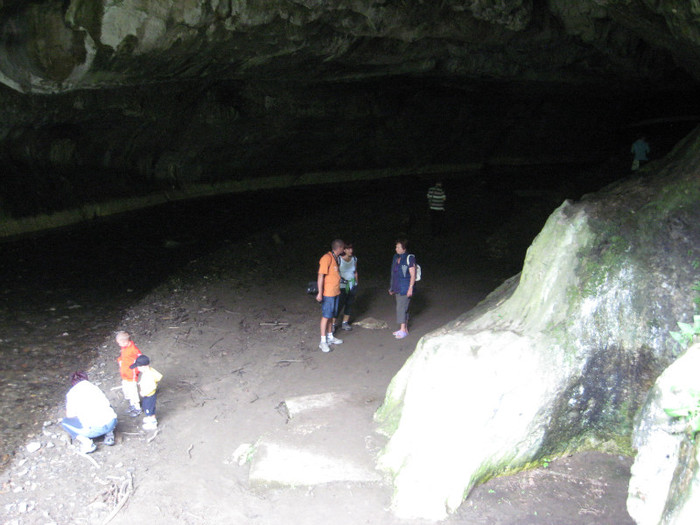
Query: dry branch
point(126, 490)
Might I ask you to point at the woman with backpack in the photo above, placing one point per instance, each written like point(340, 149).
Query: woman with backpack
point(403, 278)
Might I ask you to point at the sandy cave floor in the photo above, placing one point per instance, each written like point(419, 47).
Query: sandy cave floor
point(209, 328)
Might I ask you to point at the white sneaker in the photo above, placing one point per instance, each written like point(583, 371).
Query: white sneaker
point(324, 347)
point(85, 444)
point(333, 340)
point(150, 423)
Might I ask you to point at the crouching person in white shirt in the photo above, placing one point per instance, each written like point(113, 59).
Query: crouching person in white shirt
point(88, 414)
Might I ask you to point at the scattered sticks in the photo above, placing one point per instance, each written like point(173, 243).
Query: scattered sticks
point(196, 388)
point(276, 325)
point(287, 362)
point(217, 341)
point(123, 495)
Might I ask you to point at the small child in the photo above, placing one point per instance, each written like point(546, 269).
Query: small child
point(129, 376)
point(148, 384)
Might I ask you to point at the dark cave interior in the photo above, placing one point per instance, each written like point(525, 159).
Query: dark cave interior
point(92, 146)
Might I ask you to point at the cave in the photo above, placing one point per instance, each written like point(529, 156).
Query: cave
point(159, 122)
point(114, 100)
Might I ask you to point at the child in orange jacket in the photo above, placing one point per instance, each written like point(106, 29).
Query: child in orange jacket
point(129, 375)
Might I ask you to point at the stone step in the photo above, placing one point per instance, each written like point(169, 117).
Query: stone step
point(329, 437)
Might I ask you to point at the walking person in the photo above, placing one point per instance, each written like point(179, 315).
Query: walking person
point(403, 279)
point(148, 386)
point(640, 151)
point(329, 293)
point(436, 206)
point(348, 285)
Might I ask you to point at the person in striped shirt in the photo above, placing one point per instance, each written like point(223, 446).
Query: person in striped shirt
point(436, 204)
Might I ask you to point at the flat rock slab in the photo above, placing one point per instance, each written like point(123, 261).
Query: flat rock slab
point(329, 437)
point(300, 404)
point(277, 464)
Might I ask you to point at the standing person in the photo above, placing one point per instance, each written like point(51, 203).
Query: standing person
point(348, 285)
point(88, 414)
point(329, 293)
point(403, 278)
point(640, 151)
point(436, 205)
point(129, 353)
point(148, 385)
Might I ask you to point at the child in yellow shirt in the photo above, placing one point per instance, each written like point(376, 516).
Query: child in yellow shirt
point(148, 385)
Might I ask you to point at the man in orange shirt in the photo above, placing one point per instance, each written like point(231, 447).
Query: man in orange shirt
point(329, 293)
point(129, 375)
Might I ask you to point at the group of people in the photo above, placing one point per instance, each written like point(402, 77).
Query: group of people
point(337, 283)
point(89, 413)
point(337, 287)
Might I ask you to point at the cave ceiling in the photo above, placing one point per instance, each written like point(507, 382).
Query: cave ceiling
point(52, 46)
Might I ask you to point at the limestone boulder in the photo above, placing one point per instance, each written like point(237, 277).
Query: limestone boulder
point(561, 357)
point(665, 484)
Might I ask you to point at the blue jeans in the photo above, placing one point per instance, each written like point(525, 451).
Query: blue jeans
point(74, 427)
point(329, 307)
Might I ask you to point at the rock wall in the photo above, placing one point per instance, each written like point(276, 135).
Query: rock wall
point(85, 147)
point(561, 357)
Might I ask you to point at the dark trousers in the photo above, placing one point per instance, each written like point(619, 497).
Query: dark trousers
point(148, 405)
point(437, 222)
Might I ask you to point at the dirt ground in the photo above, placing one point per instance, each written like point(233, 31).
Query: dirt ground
point(235, 335)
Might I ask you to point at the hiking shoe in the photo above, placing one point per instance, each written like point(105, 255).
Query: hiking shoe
point(133, 411)
point(324, 347)
point(109, 439)
point(333, 340)
point(346, 326)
